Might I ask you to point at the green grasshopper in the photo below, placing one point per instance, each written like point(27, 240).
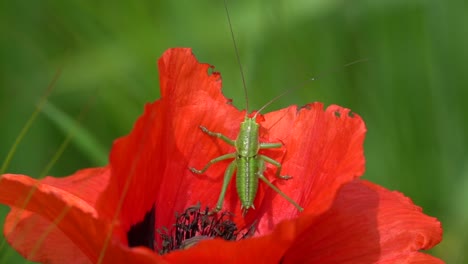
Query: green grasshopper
point(249, 164)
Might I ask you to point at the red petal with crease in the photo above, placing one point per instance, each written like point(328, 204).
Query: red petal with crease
point(39, 240)
point(365, 224)
point(24, 229)
point(75, 217)
point(324, 151)
point(47, 203)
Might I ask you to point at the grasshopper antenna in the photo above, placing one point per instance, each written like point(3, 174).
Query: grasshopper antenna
point(304, 83)
point(237, 57)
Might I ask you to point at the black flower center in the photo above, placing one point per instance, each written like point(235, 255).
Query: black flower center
point(142, 233)
point(195, 225)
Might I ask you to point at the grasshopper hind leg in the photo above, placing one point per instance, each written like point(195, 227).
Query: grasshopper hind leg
point(227, 178)
point(277, 190)
point(278, 174)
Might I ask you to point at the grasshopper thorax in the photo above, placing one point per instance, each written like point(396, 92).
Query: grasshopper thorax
point(247, 144)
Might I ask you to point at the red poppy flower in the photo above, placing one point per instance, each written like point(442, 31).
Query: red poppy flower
point(112, 214)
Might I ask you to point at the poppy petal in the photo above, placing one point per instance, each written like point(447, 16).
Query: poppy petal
point(365, 224)
point(324, 150)
point(264, 249)
point(39, 240)
point(72, 212)
point(63, 207)
point(411, 257)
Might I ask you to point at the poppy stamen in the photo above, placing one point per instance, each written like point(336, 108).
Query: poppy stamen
point(196, 224)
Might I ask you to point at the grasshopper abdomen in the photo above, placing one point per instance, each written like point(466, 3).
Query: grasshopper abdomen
point(247, 180)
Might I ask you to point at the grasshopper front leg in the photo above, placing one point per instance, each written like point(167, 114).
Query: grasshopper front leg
point(213, 161)
point(229, 171)
point(220, 158)
point(218, 135)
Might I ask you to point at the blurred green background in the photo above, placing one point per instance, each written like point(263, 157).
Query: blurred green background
point(411, 93)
